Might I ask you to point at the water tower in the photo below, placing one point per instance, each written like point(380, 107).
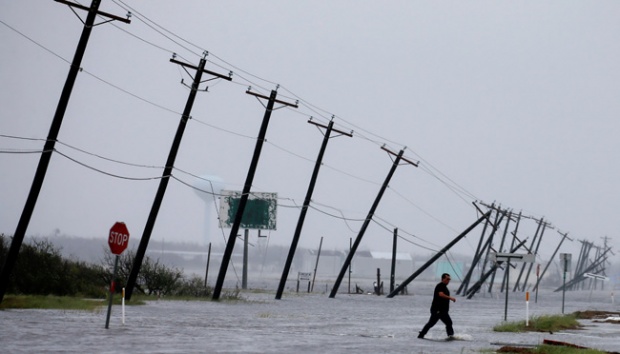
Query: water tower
point(208, 188)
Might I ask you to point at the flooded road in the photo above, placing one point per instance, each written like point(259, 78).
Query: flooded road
point(299, 323)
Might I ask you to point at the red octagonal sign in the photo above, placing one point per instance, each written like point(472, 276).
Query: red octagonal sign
point(119, 238)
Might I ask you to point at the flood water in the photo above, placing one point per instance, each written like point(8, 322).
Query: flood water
point(301, 323)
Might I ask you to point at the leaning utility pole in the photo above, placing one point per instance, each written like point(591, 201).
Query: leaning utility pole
point(374, 206)
point(465, 282)
point(437, 255)
point(527, 275)
point(512, 243)
point(540, 223)
point(304, 208)
point(50, 142)
point(230, 244)
point(165, 178)
point(499, 216)
point(474, 289)
point(580, 277)
point(501, 246)
point(564, 236)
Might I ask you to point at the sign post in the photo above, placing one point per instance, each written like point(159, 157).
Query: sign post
point(507, 257)
point(527, 309)
point(565, 259)
point(303, 276)
point(118, 240)
point(537, 281)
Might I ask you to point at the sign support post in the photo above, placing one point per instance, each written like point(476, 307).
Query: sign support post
point(507, 257)
point(537, 281)
point(107, 318)
point(118, 241)
point(507, 288)
point(565, 258)
point(527, 309)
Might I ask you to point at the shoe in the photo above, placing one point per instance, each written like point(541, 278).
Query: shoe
point(420, 335)
point(450, 338)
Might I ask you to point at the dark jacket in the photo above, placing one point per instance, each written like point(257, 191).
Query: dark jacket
point(439, 303)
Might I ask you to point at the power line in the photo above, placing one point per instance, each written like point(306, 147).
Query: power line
point(319, 111)
point(35, 42)
point(104, 172)
point(312, 107)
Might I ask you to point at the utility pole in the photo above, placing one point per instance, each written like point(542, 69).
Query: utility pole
point(465, 283)
point(244, 275)
point(512, 243)
point(316, 265)
point(499, 216)
point(230, 245)
point(501, 246)
point(350, 270)
point(165, 178)
point(579, 277)
point(474, 289)
point(527, 276)
point(564, 236)
point(50, 142)
point(374, 206)
point(540, 223)
point(304, 208)
point(393, 268)
point(437, 255)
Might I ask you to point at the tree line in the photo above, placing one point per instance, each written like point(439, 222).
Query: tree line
point(42, 270)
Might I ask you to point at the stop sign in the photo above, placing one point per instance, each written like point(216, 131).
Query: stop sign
point(119, 238)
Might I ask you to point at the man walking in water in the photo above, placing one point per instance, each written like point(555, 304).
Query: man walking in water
point(440, 307)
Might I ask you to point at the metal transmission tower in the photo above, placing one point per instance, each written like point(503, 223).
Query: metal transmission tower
point(50, 142)
point(163, 182)
point(230, 244)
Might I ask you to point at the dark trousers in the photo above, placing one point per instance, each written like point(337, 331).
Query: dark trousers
point(436, 316)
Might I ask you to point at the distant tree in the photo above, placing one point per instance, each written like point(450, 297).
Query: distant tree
point(154, 278)
point(41, 270)
point(193, 287)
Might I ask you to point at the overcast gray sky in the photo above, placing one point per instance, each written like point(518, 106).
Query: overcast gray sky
point(508, 102)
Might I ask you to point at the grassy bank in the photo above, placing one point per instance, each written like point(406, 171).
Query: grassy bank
point(51, 302)
point(544, 323)
point(550, 323)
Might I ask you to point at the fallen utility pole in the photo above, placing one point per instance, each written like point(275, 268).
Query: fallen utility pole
point(50, 142)
point(500, 214)
point(165, 178)
point(540, 223)
point(474, 289)
point(439, 254)
point(230, 244)
point(564, 236)
point(529, 271)
point(465, 282)
point(578, 278)
point(374, 206)
point(512, 243)
point(501, 246)
point(304, 208)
